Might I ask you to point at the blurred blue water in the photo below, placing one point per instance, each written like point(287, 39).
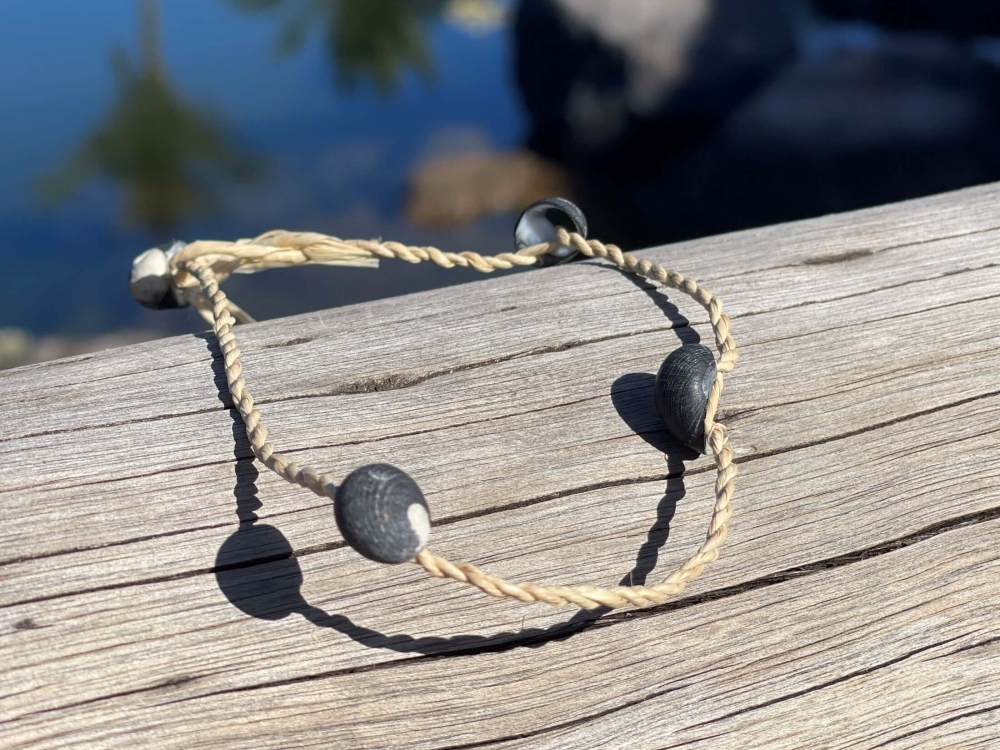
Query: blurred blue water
point(332, 159)
point(128, 123)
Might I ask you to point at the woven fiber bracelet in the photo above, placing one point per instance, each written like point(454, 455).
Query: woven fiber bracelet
point(379, 509)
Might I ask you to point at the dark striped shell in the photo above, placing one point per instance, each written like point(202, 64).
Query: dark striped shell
point(535, 226)
point(382, 513)
point(681, 392)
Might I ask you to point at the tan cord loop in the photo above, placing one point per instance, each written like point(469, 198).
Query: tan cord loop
point(201, 266)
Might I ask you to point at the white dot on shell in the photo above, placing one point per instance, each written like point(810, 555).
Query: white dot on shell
point(420, 522)
point(153, 262)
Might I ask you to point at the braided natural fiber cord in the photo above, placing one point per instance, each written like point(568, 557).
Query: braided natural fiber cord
point(210, 262)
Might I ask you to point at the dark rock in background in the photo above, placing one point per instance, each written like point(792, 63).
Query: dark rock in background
point(954, 16)
point(848, 130)
point(744, 132)
point(615, 84)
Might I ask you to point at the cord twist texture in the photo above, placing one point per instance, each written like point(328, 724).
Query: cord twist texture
point(205, 264)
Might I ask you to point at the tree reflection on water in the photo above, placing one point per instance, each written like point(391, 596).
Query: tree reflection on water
point(364, 38)
point(168, 155)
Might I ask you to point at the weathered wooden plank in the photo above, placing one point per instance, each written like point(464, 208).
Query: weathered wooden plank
point(195, 441)
point(472, 416)
point(281, 373)
point(919, 623)
point(87, 390)
point(863, 410)
point(800, 502)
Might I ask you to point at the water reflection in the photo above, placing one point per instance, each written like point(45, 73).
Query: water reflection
point(374, 39)
point(167, 155)
point(664, 120)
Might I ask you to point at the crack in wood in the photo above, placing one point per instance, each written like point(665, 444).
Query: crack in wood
point(397, 380)
point(478, 514)
point(388, 381)
point(856, 324)
point(66, 361)
point(308, 550)
point(615, 618)
point(291, 342)
point(26, 623)
point(866, 292)
point(848, 255)
point(367, 384)
point(829, 683)
point(170, 683)
point(868, 252)
point(869, 428)
point(971, 647)
point(949, 720)
point(695, 741)
point(246, 455)
point(581, 342)
point(563, 725)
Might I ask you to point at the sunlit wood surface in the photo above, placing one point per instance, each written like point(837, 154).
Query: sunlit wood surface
point(156, 590)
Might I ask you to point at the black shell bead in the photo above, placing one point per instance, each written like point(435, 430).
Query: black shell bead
point(382, 514)
point(681, 392)
point(536, 225)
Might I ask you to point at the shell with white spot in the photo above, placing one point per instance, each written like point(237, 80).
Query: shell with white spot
point(382, 514)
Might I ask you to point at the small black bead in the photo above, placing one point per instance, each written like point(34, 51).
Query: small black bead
point(681, 392)
point(382, 514)
point(535, 226)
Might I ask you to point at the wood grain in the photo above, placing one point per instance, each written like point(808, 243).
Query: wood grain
point(157, 589)
point(863, 654)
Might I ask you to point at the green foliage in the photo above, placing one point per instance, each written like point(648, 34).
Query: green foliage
point(167, 154)
point(365, 38)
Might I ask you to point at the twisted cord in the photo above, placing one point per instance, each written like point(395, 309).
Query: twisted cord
point(206, 261)
point(278, 249)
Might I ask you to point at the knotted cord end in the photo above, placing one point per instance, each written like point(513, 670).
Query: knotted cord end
point(151, 280)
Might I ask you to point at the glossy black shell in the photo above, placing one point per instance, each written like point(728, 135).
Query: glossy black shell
point(382, 514)
point(681, 391)
point(525, 236)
